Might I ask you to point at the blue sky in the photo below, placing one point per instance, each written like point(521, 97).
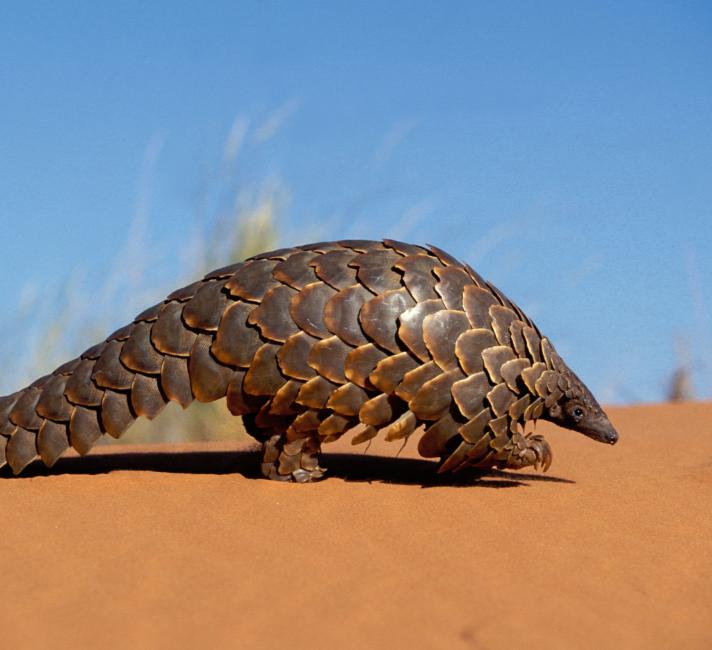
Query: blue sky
point(563, 148)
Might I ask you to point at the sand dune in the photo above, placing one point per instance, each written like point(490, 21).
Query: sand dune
point(178, 547)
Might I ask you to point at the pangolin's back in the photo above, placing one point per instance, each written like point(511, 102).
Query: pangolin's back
point(308, 343)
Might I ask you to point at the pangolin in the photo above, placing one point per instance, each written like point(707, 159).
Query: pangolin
point(309, 343)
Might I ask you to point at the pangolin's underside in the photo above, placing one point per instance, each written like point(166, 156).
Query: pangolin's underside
point(365, 337)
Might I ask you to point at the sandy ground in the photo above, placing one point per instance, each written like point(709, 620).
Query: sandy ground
point(179, 547)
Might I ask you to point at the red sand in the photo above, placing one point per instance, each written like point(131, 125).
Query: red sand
point(611, 548)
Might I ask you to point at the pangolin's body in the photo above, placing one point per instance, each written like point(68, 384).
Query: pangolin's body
point(311, 342)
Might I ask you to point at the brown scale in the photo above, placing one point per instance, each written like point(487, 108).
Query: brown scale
point(440, 331)
point(175, 380)
point(80, 389)
point(316, 392)
point(410, 330)
point(403, 248)
point(109, 372)
point(415, 379)
point(341, 314)
point(418, 276)
point(477, 302)
point(334, 268)
point(23, 414)
point(436, 437)
point(401, 428)
point(361, 362)
point(379, 317)
point(84, 429)
point(252, 280)
point(328, 358)
point(204, 309)
point(347, 400)
point(295, 271)
point(52, 441)
point(293, 356)
point(390, 372)
point(236, 343)
point(356, 338)
point(146, 398)
point(469, 393)
point(272, 317)
point(53, 404)
point(434, 397)
point(451, 286)
point(283, 402)
point(116, 413)
point(307, 308)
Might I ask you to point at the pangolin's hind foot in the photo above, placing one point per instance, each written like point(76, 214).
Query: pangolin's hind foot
point(525, 451)
point(295, 461)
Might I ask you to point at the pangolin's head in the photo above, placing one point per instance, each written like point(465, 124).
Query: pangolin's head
point(578, 410)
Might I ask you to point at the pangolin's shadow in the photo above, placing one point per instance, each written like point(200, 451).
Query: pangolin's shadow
point(349, 467)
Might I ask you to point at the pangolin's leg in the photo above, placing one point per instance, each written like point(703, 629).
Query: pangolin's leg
point(291, 460)
point(524, 451)
point(290, 445)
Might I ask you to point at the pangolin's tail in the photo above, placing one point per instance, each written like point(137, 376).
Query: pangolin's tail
point(171, 351)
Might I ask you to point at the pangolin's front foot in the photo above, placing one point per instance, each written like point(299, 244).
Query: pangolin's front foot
point(525, 451)
point(296, 461)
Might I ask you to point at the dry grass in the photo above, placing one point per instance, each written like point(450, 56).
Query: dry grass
point(49, 327)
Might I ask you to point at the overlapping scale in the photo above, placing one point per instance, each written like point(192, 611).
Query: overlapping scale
point(341, 314)
point(418, 275)
point(452, 281)
point(21, 449)
point(390, 371)
point(169, 334)
point(469, 393)
point(307, 308)
point(116, 413)
point(315, 392)
point(293, 356)
point(469, 348)
point(328, 358)
point(263, 377)
point(80, 389)
point(204, 310)
point(414, 380)
point(23, 413)
point(476, 303)
point(347, 400)
point(440, 331)
point(175, 380)
point(410, 330)
point(379, 317)
point(401, 428)
point(511, 370)
point(146, 398)
point(502, 319)
point(138, 352)
point(52, 404)
point(296, 270)
point(84, 429)
point(494, 358)
point(360, 362)
point(379, 410)
point(436, 437)
point(208, 377)
point(333, 268)
point(252, 280)
point(52, 441)
point(434, 397)
point(272, 315)
point(376, 272)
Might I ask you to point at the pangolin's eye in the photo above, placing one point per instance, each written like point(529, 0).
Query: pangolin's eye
point(578, 412)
